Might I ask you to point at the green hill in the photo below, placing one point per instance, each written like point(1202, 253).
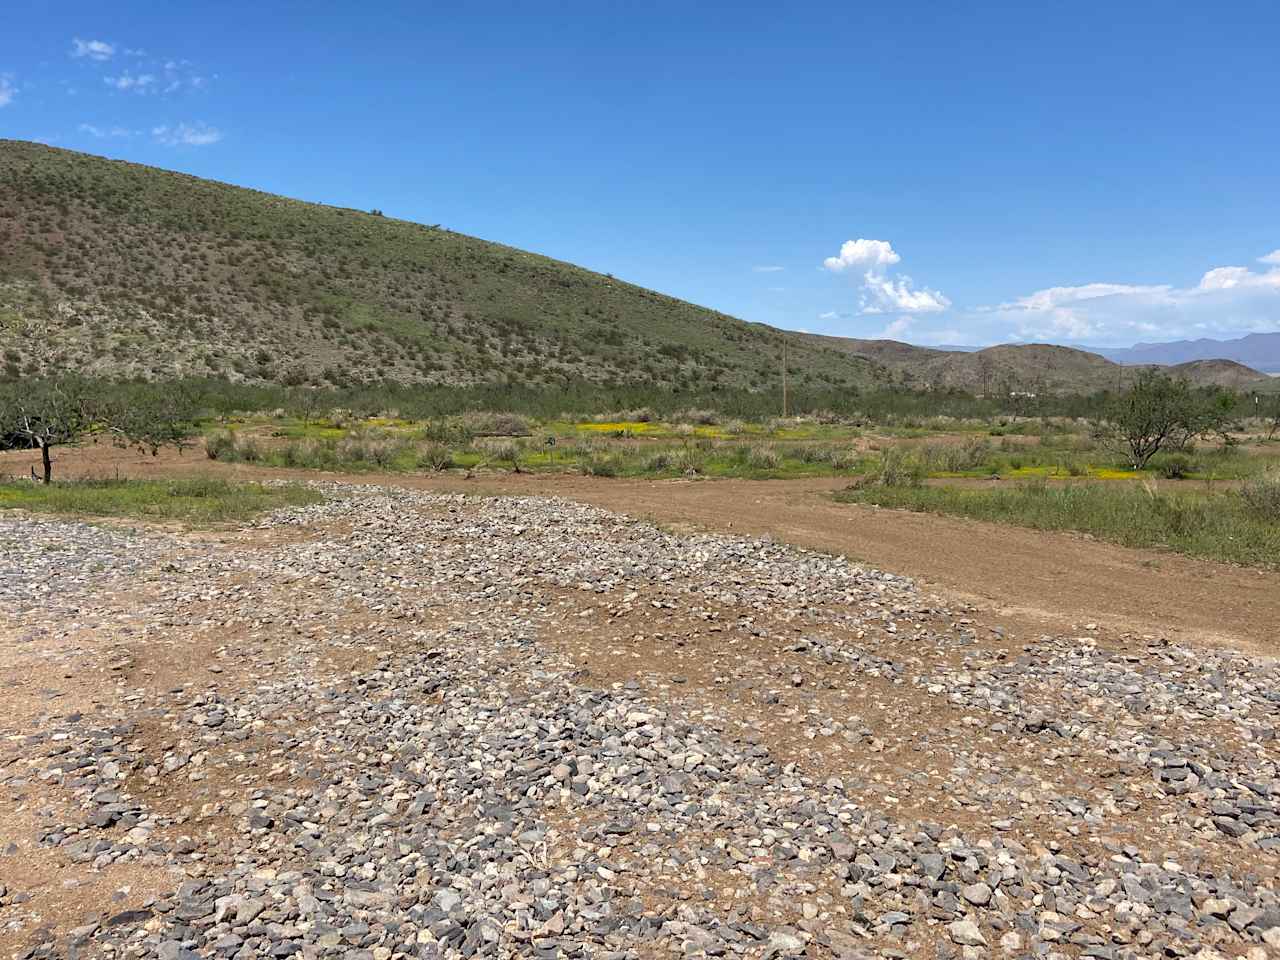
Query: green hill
point(140, 272)
point(123, 270)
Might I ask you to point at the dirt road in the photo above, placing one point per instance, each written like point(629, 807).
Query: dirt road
point(1031, 580)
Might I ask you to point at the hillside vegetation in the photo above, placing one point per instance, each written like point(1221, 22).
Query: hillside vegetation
point(134, 271)
point(117, 270)
point(1037, 368)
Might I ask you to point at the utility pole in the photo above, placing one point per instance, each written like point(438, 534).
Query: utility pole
point(784, 376)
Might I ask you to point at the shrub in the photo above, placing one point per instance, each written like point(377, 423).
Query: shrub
point(704, 418)
point(1176, 467)
point(1262, 497)
point(600, 465)
point(501, 451)
point(843, 459)
point(764, 457)
point(896, 468)
point(486, 424)
point(229, 446)
point(659, 462)
point(688, 460)
point(219, 446)
point(435, 456)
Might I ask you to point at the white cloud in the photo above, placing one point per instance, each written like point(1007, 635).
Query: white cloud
point(93, 49)
point(882, 293)
point(7, 90)
point(870, 254)
point(1226, 300)
point(767, 269)
point(885, 295)
point(102, 132)
point(187, 135)
point(1224, 278)
point(1272, 258)
point(896, 329)
point(137, 83)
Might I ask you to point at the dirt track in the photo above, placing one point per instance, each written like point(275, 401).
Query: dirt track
point(1033, 581)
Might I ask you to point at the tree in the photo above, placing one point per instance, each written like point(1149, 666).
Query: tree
point(1158, 412)
point(147, 417)
point(45, 415)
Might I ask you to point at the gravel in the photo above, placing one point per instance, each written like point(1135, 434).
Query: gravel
point(391, 752)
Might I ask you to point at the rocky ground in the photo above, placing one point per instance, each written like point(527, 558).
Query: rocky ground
point(405, 724)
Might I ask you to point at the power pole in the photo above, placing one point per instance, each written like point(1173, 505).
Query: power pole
point(784, 376)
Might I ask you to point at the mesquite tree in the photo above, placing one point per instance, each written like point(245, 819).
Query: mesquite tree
point(1159, 413)
point(46, 415)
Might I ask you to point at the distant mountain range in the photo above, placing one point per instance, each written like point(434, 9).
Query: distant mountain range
point(1261, 351)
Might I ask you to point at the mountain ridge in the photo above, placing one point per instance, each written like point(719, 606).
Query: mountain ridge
point(1258, 350)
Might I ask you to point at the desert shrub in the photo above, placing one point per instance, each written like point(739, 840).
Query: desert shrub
point(1176, 466)
point(638, 415)
point(500, 451)
point(763, 457)
point(688, 460)
point(843, 458)
point(302, 453)
point(705, 418)
point(219, 446)
point(1261, 496)
point(601, 465)
point(1075, 468)
point(373, 447)
point(435, 456)
point(659, 462)
point(896, 468)
point(955, 457)
point(481, 423)
point(229, 446)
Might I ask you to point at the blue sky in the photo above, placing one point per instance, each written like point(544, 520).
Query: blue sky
point(1097, 173)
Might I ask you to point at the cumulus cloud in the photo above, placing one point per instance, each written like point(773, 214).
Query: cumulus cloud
point(887, 295)
point(880, 292)
point(7, 90)
point(187, 135)
point(1227, 299)
point(874, 255)
point(93, 49)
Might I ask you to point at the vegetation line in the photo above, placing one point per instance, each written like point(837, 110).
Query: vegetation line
point(198, 502)
point(1234, 526)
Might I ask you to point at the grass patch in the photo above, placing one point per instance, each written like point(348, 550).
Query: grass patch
point(1217, 526)
point(197, 502)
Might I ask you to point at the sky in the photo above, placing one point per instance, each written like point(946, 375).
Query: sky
point(1094, 173)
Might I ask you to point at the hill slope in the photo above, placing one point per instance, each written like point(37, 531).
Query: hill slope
point(1028, 368)
point(137, 271)
point(126, 270)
